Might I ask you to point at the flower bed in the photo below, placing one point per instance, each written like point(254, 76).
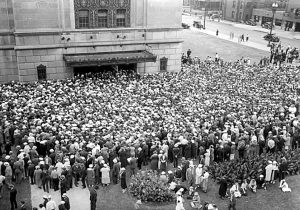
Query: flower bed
point(147, 186)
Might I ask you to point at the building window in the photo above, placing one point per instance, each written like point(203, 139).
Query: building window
point(232, 14)
point(233, 4)
point(297, 12)
point(102, 13)
point(240, 16)
point(163, 64)
point(83, 19)
point(102, 18)
point(242, 4)
point(41, 72)
point(120, 18)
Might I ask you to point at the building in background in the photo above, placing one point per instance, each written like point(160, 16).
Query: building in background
point(186, 5)
point(238, 10)
point(198, 7)
point(210, 5)
point(57, 39)
point(258, 10)
point(291, 18)
point(262, 12)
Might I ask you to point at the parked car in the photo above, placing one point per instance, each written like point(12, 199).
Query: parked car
point(271, 38)
point(250, 22)
point(198, 24)
point(185, 26)
point(267, 25)
point(215, 16)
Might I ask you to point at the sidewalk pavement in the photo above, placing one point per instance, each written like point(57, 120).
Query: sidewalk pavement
point(277, 30)
point(79, 198)
point(235, 39)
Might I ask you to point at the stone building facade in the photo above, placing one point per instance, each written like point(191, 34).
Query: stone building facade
point(54, 39)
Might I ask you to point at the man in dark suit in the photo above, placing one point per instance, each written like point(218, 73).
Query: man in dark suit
point(176, 152)
point(66, 199)
point(13, 197)
point(93, 197)
point(132, 165)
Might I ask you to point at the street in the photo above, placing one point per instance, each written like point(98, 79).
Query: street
point(255, 33)
point(204, 42)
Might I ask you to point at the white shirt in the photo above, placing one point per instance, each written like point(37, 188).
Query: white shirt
point(59, 166)
point(206, 175)
point(51, 205)
point(94, 150)
point(2, 178)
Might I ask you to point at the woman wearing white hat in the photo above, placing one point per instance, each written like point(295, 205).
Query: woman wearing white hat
point(90, 176)
point(198, 175)
point(37, 176)
point(207, 157)
point(8, 173)
point(123, 179)
point(196, 203)
point(284, 186)
point(105, 175)
point(179, 201)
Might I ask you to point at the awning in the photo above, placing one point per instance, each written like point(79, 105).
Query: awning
point(108, 58)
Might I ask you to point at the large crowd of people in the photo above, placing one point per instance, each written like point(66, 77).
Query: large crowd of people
point(281, 54)
point(92, 128)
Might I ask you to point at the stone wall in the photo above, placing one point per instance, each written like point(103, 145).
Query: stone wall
point(35, 32)
point(8, 59)
point(172, 51)
point(37, 14)
point(48, 50)
point(8, 66)
point(28, 60)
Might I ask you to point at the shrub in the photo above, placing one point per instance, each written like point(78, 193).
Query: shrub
point(147, 186)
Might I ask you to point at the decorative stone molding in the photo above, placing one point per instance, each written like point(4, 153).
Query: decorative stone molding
point(93, 6)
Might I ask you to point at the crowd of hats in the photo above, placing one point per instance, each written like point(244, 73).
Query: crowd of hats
point(128, 112)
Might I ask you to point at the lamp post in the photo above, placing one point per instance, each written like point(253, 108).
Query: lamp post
point(205, 13)
point(274, 8)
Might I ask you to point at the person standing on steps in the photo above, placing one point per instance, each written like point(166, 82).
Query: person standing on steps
point(217, 32)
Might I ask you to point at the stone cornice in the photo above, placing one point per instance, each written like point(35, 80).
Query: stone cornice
point(72, 45)
point(117, 30)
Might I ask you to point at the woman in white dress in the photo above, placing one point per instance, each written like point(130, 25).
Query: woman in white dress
point(269, 169)
point(198, 174)
point(105, 175)
point(207, 158)
point(284, 186)
point(179, 201)
point(235, 189)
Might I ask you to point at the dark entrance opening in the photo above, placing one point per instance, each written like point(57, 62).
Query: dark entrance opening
point(107, 70)
point(297, 27)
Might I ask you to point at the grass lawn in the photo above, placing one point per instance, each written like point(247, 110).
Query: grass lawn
point(112, 198)
point(203, 45)
point(24, 193)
